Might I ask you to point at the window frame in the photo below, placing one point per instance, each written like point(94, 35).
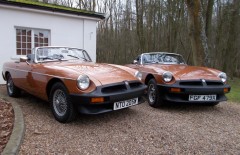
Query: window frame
point(33, 41)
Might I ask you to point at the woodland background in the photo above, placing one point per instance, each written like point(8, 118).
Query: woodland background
point(205, 32)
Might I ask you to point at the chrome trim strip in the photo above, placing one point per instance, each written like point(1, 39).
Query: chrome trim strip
point(41, 74)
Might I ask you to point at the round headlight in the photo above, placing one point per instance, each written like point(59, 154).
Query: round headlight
point(223, 76)
point(138, 75)
point(83, 82)
point(167, 76)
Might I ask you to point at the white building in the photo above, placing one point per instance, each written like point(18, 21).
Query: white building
point(27, 25)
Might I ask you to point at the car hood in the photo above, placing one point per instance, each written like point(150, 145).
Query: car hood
point(184, 72)
point(104, 73)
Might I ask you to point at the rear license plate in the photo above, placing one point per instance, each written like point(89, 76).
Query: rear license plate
point(125, 104)
point(202, 97)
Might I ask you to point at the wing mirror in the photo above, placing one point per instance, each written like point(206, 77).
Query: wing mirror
point(135, 61)
point(29, 56)
point(23, 59)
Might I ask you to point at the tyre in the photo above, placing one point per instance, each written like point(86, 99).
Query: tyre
point(61, 106)
point(153, 95)
point(12, 90)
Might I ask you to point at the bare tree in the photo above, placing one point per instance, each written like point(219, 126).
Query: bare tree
point(231, 52)
point(197, 33)
point(206, 33)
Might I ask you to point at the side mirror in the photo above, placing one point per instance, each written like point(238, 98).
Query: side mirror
point(135, 61)
point(29, 56)
point(23, 59)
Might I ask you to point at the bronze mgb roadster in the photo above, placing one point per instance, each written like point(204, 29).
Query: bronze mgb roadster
point(169, 78)
point(71, 82)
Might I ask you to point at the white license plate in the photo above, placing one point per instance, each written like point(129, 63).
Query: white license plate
point(202, 97)
point(125, 104)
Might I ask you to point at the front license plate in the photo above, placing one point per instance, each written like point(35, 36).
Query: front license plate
point(125, 104)
point(202, 97)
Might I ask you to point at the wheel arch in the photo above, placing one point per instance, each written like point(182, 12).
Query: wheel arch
point(148, 78)
point(51, 83)
point(5, 75)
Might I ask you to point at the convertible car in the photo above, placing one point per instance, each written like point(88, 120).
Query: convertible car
point(170, 79)
point(71, 82)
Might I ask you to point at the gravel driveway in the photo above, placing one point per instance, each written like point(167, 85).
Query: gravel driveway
point(175, 129)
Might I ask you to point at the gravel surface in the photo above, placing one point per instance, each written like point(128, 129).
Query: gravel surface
point(6, 123)
point(175, 129)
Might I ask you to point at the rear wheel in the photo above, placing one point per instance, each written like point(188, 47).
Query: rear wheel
point(61, 105)
point(153, 95)
point(12, 90)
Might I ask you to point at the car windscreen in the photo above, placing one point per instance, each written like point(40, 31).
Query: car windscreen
point(162, 58)
point(45, 54)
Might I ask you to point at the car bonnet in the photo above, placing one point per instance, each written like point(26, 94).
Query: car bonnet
point(184, 72)
point(104, 73)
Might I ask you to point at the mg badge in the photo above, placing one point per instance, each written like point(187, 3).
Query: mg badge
point(126, 83)
point(203, 81)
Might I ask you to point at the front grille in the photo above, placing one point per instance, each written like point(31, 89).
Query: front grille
point(120, 87)
point(201, 83)
point(191, 83)
point(214, 83)
point(115, 88)
point(135, 85)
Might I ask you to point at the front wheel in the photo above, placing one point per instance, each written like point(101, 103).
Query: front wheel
point(153, 95)
point(61, 105)
point(12, 90)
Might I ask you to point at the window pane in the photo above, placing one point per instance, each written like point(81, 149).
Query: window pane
point(45, 40)
point(19, 52)
point(23, 45)
point(28, 51)
point(24, 52)
point(18, 45)
point(28, 39)
point(41, 40)
point(29, 33)
point(24, 39)
point(19, 32)
point(18, 38)
point(29, 45)
point(24, 32)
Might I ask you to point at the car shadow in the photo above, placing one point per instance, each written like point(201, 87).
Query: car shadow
point(43, 106)
point(175, 106)
point(119, 115)
point(193, 107)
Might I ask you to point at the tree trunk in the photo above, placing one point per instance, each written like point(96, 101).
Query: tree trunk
point(231, 50)
point(197, 33)
point(139, 10)
point(208, 29)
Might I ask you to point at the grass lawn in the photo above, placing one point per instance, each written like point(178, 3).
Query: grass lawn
point(234, 94)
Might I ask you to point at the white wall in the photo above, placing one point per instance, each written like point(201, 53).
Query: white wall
point(65, 30)
point(90, 39)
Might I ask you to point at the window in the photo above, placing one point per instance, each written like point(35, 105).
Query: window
point(27, 38)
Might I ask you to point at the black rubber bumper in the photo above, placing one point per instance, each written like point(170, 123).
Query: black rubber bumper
point(183, 96)
point(84, 104)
